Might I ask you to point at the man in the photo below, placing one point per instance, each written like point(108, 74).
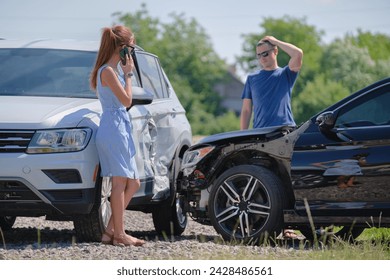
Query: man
point(268, 91)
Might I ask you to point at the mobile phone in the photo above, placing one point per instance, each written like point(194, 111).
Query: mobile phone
point(122, 54)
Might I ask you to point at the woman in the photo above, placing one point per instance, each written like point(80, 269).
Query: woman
point(113, 139)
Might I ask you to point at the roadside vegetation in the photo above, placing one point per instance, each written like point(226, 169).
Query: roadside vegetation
point(373, 244)
point(43, 242)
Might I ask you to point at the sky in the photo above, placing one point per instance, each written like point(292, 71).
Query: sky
point(224, 20)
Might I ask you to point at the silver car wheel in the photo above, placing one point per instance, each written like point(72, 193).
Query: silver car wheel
point(105, 206)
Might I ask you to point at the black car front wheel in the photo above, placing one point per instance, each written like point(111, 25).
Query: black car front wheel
point(245, 204)
point(170, 219)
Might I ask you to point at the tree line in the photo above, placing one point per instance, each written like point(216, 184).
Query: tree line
point(329, 73)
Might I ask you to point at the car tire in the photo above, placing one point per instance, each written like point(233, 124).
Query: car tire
point(170, 218)
point(346, 233)
point(6, 222)
point(245, 205)
point(90, 227)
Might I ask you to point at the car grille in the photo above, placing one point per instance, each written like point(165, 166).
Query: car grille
point(16, 191)
point(14, 141)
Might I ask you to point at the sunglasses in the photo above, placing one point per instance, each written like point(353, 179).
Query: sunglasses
point(264, 54)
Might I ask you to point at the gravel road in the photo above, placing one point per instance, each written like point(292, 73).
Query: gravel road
point(38, 239)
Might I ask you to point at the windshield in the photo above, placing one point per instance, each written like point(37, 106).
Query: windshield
point(46, 72)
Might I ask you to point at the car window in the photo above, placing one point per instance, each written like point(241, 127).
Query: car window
point(134, 78)
point(151, 75)
point(370, 110)
point(46, 72)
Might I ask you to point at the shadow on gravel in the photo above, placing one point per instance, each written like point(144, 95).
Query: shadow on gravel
point(154, 236)
point(26, 237)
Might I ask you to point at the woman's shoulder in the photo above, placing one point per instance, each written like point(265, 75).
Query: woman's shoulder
point(105, 67)
point(107, 70)
point(101, 68)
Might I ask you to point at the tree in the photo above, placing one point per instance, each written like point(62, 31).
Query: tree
point(350, 65)
point(316, 96)
point(378, 45)
point(189, 55)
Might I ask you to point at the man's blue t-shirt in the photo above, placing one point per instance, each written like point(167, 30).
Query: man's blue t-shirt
point(270, 92)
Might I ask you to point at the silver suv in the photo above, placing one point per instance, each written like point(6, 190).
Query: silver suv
point(48, 120)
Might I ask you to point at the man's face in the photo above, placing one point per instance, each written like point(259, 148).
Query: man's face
point(266, 56)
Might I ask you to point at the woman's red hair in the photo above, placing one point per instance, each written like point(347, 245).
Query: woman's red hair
point(112, 38)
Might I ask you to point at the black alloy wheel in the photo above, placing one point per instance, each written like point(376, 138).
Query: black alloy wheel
point(245, 204)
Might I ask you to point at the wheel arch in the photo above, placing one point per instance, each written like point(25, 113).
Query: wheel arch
point(168, 218)
point(258, 158)
point(177, 157)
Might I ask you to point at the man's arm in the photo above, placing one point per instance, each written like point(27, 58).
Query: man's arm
point(246, 113)
point(295, 53)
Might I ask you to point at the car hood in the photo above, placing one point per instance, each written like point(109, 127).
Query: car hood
point(32, 112)
point(233, 136)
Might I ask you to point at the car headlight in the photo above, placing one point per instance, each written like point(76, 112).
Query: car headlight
point(59, 141)
point(191, 158)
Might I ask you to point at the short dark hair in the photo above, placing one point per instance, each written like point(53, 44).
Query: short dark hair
point(265, 42)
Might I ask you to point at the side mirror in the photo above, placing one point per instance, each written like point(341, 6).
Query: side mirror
point(140, 97)
point(326, 120)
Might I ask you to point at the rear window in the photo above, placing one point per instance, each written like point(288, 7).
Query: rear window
point(45, 72)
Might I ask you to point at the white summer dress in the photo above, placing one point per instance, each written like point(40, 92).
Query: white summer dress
point(114, 142)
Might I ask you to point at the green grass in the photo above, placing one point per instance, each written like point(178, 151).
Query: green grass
point(373, 244)
point(375, 234)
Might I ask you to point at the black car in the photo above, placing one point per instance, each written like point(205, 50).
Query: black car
point(330, 173)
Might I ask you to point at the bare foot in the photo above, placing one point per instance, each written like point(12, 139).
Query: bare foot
point(127, 240)
point(289, 234)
